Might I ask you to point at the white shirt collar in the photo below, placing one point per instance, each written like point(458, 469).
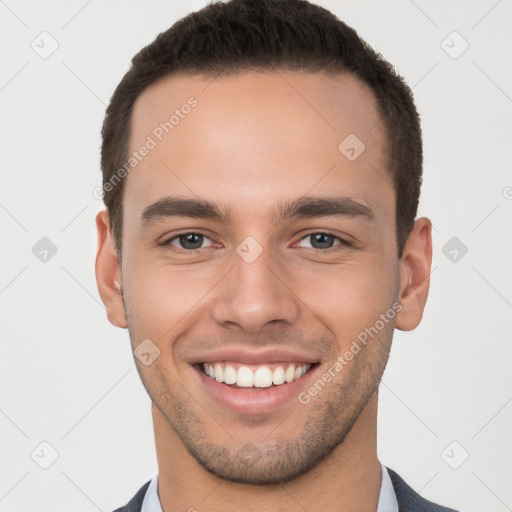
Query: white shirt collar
point(151, 501)
point(387, 496)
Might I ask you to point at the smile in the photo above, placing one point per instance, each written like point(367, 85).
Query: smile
point(238, 375)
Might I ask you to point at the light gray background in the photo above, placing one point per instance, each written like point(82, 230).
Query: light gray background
point(67, 376)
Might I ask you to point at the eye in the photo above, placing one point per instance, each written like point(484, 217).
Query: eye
point(323, 240)
point(188, 241)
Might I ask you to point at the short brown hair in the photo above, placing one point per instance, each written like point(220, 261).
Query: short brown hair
point(239, 35)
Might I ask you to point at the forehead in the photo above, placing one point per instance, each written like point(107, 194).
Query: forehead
point(249, 139)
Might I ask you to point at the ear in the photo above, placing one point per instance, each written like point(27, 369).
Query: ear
point(415, 265)
point(108, 272)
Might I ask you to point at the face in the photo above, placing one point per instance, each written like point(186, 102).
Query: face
point(255, 243)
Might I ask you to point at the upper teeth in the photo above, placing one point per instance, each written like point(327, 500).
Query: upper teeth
point(261, 376)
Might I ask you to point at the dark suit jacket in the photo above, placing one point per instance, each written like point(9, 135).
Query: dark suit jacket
point(408, 500)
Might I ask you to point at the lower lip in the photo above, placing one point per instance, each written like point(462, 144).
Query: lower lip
point(255, 400)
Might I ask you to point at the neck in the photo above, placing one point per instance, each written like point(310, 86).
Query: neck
point(349, 478)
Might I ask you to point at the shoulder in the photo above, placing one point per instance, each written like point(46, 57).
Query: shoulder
point(135, 504)
point(411, 501)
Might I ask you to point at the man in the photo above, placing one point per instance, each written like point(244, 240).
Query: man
point(261, 169)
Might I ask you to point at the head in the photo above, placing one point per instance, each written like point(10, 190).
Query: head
point(261, 169)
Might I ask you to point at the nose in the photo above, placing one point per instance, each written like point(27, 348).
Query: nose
point(255, 294)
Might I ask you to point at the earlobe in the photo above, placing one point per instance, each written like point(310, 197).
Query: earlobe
point(108, 272)
point(415, 268)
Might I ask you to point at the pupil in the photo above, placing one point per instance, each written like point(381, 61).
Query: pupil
point(191, 241)
point(321, 241)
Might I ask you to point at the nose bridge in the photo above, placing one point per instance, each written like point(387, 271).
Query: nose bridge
point(253, 294)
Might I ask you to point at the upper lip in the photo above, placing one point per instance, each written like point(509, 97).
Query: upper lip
point(255, 357)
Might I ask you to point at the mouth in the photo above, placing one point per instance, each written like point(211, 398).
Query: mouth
point(255, 388)
point(252, 377)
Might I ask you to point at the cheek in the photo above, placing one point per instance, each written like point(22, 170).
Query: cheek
point(160, 297)
point(346, 298)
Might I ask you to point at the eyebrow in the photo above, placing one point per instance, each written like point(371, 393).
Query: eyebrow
point(311, 206)
point(304, 207)
point(182, 207)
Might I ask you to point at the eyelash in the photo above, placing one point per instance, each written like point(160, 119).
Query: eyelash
point(343, 243)
point(166, 243)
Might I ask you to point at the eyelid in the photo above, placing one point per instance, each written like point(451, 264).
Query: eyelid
point(166, 242)
point(341, 239)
